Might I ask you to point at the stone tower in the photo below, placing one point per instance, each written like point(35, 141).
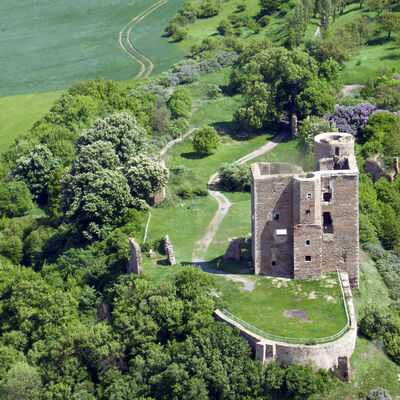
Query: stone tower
point(307, 224)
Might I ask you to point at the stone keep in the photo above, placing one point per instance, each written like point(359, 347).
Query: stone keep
point(306, 224)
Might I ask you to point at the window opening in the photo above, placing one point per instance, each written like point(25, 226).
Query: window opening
point(308, 258)
point(308, 196)
point(273, 263)
point(327, 196)
point(308, 212)
point(308, 242)
point(336, 151)
point(276, 217)
point(327, 222)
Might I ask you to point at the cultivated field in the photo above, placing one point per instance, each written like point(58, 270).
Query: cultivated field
point(48, 45)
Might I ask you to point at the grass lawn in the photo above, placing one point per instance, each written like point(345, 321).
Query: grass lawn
point(378, 53)
point(203, 28)
point(18, 114)
point(49, 45)
point(265, 305)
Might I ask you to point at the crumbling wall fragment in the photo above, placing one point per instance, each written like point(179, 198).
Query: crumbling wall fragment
point(169, 251)
point(135, 259)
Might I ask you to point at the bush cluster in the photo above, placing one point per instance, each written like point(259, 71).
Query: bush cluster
point(235, 177)
point(190, 71)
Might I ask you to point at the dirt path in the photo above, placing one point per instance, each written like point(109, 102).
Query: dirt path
point(177, 140)
point(223, 202)
point(317, 32)
point(131, 50)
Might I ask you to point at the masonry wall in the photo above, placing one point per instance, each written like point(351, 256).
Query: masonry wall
point(340, 250)
point(324, 355)
point(272, 210)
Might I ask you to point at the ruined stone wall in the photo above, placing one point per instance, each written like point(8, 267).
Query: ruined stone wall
point(307, 251)
point(135, 259)
point(340, 249)
point(272, 213)
point(332, 144)
point(324, 355)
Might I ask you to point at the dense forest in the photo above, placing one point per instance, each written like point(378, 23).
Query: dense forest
point(79, 183)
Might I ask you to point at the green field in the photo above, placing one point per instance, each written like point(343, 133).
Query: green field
point(18, 114)
point(48, 45)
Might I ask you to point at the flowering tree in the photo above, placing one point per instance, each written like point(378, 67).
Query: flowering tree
point(351, 119)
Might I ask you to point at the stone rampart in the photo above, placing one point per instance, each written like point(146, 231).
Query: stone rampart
point(323, 355)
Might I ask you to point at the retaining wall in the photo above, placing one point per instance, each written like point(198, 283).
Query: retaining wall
point(324, 355)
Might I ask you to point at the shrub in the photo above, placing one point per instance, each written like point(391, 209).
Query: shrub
point(241, 7)
point(264, 21)
point(180, 103)
point(210, 8)
point(309, 128)
point(213, 91)
point(15, 199)
point(351, 119)
point(177, 127)
point(179, 35)
point(235, 177)
point(285, 8)
point(379, 394)
point(206, 140)
point(224, 27)
point(171, 28)
point(187, 191)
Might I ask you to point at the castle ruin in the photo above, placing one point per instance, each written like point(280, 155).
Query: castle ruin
point(306, 224)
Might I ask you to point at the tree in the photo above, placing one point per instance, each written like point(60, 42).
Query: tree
point(15, 199)
point(180, 103)
point(206, 140)
point(146, 175)
point(378, 6)
point(297, 24)
point(36, 169)
point(271, 82)
point(309, 128)
point(360, 28)
point(315, 99)
point(96, 201)
point(325, 10)
point(389, 21)
point(124, 133)
point(269, 6)
point(22, 382)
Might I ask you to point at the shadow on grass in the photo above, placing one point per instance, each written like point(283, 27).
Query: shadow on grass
point(378, 41)
point(391, 57)
point(221, 266)
point(193, 155)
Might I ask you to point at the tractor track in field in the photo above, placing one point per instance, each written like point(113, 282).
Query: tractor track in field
point(146, 65)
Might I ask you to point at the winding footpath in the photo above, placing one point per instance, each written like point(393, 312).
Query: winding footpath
point(224, 204)
point(146, 65)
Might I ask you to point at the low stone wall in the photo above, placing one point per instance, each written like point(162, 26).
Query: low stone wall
point(324, 355)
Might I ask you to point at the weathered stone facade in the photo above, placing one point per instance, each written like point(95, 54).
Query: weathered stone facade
point(135, 260)
point(306, 224)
